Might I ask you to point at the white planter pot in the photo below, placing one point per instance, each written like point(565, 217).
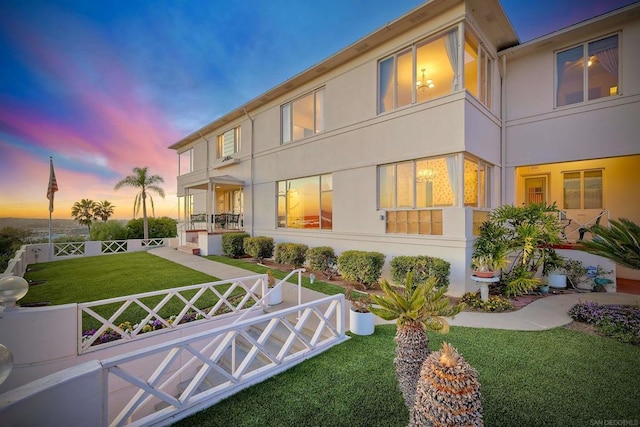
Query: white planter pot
point(275, 297)
point(558, 281)
point(361, 323)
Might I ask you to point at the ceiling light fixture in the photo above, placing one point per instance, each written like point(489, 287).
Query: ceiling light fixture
point(426, 175)
point(424, 83)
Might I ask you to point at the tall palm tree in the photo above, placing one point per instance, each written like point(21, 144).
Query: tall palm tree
point(620, 243)
point(84, 212)
point(416, 310)
point(104, 210)
point(145, 183)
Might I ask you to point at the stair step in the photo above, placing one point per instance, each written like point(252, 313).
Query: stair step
point(192, 250)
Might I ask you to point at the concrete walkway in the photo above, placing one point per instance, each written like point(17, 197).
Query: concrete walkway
point(545, 313)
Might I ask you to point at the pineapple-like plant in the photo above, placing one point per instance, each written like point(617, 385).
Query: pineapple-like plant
point(416, 309)
point(448, 392)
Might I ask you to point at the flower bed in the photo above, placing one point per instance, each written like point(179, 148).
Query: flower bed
point(128, 328)
point(621, 322)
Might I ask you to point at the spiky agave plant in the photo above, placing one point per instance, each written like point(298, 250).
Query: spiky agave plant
point(416, 309)
point(448, 392)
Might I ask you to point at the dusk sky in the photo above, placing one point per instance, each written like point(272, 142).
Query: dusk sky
point(105, 86)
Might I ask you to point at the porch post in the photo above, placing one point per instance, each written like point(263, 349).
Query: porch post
point(209, 202)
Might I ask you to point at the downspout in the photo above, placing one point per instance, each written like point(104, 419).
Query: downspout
point(503, 131)
point(209, 198)
point(252, 172)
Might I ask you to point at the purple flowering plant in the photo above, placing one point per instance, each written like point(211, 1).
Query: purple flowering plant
point(621, 322)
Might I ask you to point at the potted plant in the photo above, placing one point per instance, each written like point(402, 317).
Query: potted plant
point(544, 287)
point(482, 266)
point(361, 319)
point(275, 294)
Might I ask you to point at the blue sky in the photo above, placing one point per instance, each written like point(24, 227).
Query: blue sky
point(107, 86)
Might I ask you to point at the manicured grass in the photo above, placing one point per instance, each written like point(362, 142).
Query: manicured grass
point(557, 377)
point(101, 277)
point(324, 287)
point(108, 276)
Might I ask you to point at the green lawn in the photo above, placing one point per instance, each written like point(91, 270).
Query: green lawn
point(555, 377)
point(101, 277)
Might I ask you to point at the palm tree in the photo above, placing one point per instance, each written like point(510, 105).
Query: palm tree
point(145, 182)
point(84, 212)
point(416, 310)
point(104, 210)
point(620, 243)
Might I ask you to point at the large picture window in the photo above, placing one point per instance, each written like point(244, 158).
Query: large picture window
point(303, 117)
point(582, 189)
point(587, 72)
point(306, 203)
point(229, 143)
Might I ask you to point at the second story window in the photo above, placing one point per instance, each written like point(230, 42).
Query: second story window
point(587, 72)
point(229, 143)
point(185, 162)
point(424, 71)
point(303, 117)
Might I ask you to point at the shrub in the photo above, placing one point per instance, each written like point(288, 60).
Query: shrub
point(362, 267)
point(495, 303)
point(233, 244)
point(109, 230)
point(322, 259)
point(158, 228)
point(421, 268)
point(260, 247)
point(291, 253)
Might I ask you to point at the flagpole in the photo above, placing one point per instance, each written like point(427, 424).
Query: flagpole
point(53, 187)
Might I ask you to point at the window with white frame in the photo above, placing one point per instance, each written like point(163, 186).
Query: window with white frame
point(303, 117)
point(478, 65)
point(587, 72)
point(582, 189)
point(306, 202)
point(476, 183)
point(430, 68)
point(229, 143)
point(185, 162)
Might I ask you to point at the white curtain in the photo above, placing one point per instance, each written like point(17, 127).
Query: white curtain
point(451, 46)
point(386, 82)
point(454, 177)
point(609, 60)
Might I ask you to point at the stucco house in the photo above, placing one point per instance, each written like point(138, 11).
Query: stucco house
point(404, 140)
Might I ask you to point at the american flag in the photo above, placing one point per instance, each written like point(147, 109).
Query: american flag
point(53, 184)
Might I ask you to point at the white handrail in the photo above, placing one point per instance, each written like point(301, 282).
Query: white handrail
point(321, 326)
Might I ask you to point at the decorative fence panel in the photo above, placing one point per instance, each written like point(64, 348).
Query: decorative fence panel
point(114, 246)
point(68, 249)
point(106, 322)
point(173, 380)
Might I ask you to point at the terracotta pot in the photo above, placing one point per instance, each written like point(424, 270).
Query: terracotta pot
point(484, 274)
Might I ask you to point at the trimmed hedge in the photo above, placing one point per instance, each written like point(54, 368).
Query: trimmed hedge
point(322, 259)
point(233, 244)
point(260, 247)
point(421, 268)
point(291, 254)
point(361, 266)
